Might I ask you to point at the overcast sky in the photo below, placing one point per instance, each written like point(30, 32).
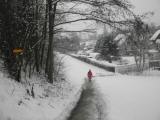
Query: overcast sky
point(142, 6)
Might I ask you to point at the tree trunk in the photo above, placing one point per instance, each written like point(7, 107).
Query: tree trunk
point(44, 36)
point(50, 46)
point(36, 50)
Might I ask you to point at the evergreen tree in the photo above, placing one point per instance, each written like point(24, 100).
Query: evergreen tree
point(107, 47)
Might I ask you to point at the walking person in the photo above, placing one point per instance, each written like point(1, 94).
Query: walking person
point(90, 75)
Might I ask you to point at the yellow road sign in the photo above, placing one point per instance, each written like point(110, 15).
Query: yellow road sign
point(17, 50)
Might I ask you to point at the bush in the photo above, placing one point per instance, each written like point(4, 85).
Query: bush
point(107, 47)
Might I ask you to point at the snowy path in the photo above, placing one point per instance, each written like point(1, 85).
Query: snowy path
point(126, 97)
point(91, 105)
point(76, 70)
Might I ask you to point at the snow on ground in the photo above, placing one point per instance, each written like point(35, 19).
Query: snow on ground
point(131, 97)
point(91, 105)
point(127, 97)
point(104, 62)
point(151, 73)
point(76, 69)
point(125, 60)
point(148, 73)
point(128, 59)
point(51, 102)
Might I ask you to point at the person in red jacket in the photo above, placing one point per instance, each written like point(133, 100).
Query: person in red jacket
point(90, 75)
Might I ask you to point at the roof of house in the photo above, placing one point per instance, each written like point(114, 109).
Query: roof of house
point(155, 35)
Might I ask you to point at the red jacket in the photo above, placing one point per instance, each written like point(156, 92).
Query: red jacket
point(90, 74)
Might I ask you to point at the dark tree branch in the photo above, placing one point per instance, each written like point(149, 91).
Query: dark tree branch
point(92, 3)
point(127, 22)
point(55, 2)
point(85, 30)
point(73, 12)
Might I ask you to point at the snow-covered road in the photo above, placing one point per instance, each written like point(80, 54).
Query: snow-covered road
point(126, 97)
point(91, 105)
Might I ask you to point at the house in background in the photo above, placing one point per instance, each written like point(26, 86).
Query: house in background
point(155, 39)
point(154, 52)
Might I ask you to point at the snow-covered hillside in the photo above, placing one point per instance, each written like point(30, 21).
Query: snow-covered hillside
point(51, 102)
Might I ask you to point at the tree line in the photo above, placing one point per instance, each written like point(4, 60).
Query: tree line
point(28, 29)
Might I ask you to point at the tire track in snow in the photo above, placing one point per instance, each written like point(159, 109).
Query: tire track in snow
point(91, 105)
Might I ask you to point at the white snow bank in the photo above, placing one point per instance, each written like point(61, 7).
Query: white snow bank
point(125, 60)
point(129, 62)
point(104, 62)
point(153, 51)
point(51, 102)
point(151, 73)
point(131, 97)
point(128, 59)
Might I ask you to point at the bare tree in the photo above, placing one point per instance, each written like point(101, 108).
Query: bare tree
point(115, 13)
point(139, 39)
